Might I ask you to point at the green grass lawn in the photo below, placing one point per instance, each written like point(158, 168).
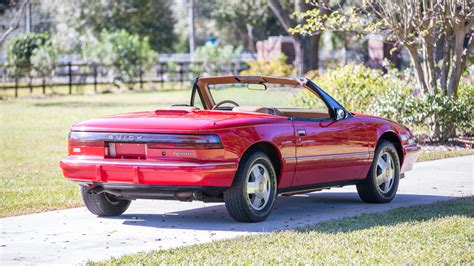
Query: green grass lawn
point(436, 155)
point(34, 139)
point(87, 89)
point(438, 233)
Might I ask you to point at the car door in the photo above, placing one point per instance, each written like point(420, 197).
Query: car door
point(329, 150)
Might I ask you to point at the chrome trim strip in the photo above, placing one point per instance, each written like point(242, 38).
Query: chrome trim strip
point(145, 163)
point(353, 154)
point(371, 154)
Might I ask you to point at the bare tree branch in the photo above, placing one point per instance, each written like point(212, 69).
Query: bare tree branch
point(281, 15)
point(16, 21)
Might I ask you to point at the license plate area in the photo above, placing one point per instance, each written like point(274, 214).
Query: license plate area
point(126, 150)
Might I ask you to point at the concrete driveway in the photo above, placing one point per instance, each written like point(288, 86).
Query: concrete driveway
point(76, 236)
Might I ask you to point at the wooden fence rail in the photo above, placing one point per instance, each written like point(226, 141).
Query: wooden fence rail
point(79, 74)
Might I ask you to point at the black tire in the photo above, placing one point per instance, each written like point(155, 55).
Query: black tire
point(238, 202)
point(104, 204)
point(368, 190)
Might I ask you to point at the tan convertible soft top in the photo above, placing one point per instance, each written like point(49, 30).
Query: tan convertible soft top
point(202, 83)
point(251, 79)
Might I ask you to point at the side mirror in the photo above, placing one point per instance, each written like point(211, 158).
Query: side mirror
point(339, 114)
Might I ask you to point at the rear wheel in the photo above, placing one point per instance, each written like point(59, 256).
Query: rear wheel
point(381, 184)
point(104, 204)
point(251, 197)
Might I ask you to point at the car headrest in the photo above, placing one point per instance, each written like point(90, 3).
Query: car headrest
point(252, 109)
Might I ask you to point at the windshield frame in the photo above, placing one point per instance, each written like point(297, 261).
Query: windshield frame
point(201, 86)
point(273, 88)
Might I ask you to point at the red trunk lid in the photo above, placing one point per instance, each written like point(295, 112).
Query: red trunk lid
point(160, 121)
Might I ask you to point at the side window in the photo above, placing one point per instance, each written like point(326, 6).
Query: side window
point(310, 106)
point(312, 101)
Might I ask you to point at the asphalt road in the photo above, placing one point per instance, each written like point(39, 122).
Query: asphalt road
point(76, 236)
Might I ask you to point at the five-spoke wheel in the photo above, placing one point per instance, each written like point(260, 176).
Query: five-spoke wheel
point(258, 186)
point(382, 181)
point(251, 197)
point(385, 172)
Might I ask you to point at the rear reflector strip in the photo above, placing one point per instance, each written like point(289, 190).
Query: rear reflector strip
point(176, 141)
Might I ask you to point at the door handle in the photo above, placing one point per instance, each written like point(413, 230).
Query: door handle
point(301, 132)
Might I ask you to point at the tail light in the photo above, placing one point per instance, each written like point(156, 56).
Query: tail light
point(85, 141)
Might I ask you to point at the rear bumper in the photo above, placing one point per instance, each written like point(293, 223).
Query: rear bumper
point(411, 155)
point(156, 173)
point(134, 191)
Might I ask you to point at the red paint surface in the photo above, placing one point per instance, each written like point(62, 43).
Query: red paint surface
point(330, 151)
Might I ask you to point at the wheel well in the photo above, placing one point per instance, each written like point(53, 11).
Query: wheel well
point(269, 150)
point(393, 138)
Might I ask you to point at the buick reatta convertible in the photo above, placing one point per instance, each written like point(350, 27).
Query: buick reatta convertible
point(241, 140)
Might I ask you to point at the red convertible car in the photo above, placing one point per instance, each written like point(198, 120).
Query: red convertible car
point(242, 140)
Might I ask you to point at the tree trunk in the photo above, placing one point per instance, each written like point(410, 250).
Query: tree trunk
point(445, 60)
point(314, 52)
point(286, 22)
point(299, 51)
point(15, 22)
point(456, 69)
point(430, 64)
point(418, 68)
point(250, 38)
point(306, 48)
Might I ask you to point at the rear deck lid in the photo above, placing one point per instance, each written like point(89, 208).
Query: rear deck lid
point(159, 121)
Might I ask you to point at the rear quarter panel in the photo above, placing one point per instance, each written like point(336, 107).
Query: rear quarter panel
point(238, 135)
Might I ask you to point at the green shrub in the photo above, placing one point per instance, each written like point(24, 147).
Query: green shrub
point(24, 51)
point(275, 67)
point(213, 59)
point(355, 86)
point(96, 51)
point(466, 99)
point(391, 96)
point(439, 115)
point(128, 54)
point(43, 60)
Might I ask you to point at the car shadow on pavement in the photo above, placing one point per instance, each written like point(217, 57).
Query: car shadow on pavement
point(288, 212)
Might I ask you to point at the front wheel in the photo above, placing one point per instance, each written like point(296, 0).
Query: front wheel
point(381, 184)
point(251, 197)
point(104, 204)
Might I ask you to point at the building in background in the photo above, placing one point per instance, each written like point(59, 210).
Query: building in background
point(276, 46)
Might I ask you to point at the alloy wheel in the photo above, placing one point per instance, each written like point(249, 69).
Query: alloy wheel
point(385, 174)
point(258, 187)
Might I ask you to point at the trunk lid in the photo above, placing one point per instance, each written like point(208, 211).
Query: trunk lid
point(159, 121)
